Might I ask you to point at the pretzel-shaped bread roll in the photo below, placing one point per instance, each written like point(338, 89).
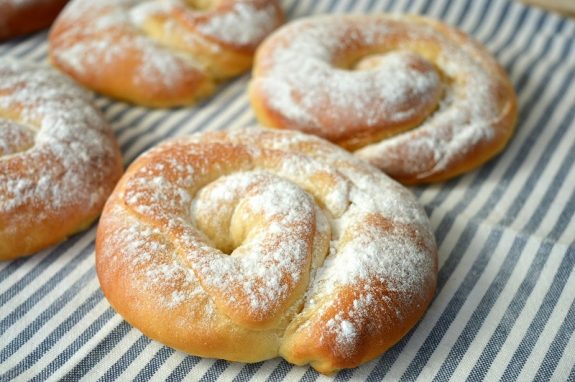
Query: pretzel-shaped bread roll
point(249, 244)
point(415, 97)
point(159, 53)
point(59, 160)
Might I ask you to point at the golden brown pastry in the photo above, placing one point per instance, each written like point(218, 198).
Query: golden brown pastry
point(58, 159)
point(415, 97)
point(20, 17)
point(249, 244)
point(159, 52)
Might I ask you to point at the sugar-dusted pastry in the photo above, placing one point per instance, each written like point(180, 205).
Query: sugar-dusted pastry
point(159, 52)
point(249, 244)
point(20, 17)
point(415, 97)
point(58, 158)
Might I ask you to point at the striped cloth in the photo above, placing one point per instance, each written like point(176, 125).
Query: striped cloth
point(505, 304)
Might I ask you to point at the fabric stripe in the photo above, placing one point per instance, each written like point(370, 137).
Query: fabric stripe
point(463, 239)
point(518, 149)
point(84, 366)
point(52, 339)
point(457, 350)
point(247, 372)
point(23, 337)
point(32, 275)
point(543, 313)
point(549, 364)
point(166, 134)
point(506, 235)
point(148, 372)
point(35, 298)
point(440, 284)
point(71, 349)
point(214, 371)
point(490, 307)
point(530, 290)
point(125, 360)
point(450, 312)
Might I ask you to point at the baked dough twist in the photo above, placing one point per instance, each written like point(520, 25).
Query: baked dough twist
point(159, 53)
point(251, 243)
point(58, 159)
point(417, 98)
point(20, 17)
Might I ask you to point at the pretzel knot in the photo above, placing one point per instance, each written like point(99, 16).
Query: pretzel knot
point(159, 52)
point(417, 98)
point(58, 159)
point(250, 244)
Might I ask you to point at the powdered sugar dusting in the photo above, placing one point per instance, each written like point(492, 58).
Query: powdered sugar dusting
point(420, 76)
point(107, 37)
point(466, 118)
point(365, 252)
point(144, 249)
point(344, 330)
point(273, 257)
point(141, 12)
point(380, 257)
point(91, 37)
point(245, 23)
point(15, 137)
point(370, 96)
point(183, 285)
point(364, 257)
point(297, 68)
point(60, 147)
point(249, 231)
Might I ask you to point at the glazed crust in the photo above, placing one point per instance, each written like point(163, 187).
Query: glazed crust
point(18, 18)
point(252, 243)
point(59, 160)
point(159, 53)
point(415, 97)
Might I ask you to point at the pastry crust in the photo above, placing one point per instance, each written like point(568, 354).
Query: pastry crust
point(253, 243)
point(159, 53)
point(58, 159)
point(18, 18)
point(415, 97)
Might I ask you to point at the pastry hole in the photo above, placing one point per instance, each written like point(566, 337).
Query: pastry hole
point(370, 62)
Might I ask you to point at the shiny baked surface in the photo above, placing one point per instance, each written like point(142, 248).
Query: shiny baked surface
point(249, 244)
point(159, 53)
point(504, 307)
point(414, 96)
point(59, 160)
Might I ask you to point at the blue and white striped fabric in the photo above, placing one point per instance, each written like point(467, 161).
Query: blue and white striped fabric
point(505, 305)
